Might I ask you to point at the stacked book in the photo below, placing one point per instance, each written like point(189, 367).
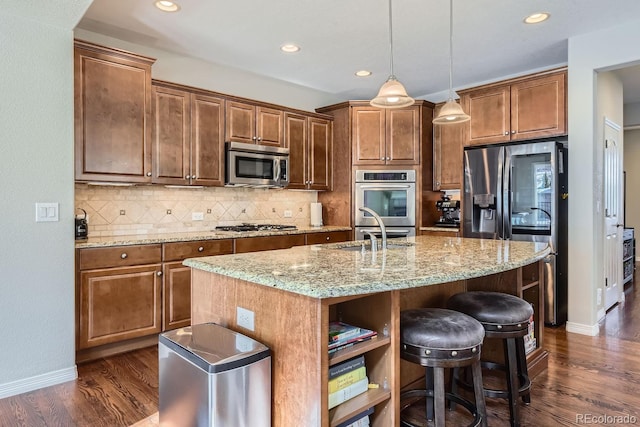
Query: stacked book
point(530, 338)
point(343, 335)
point(347, 380)
point(359, 420)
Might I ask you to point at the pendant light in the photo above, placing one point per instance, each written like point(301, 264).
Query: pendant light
point(451, 111)
point(392, 94)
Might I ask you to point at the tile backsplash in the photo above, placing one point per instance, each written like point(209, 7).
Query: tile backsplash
point(117, 211)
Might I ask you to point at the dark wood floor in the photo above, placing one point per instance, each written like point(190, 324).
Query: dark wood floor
point(587, 378)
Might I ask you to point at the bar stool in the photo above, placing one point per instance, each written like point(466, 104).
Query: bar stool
point(505, 317)
point(437, 338)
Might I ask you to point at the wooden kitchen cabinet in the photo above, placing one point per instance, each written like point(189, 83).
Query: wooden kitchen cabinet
point(448, 141)
point(386, 137)
point(520, 109)
point(309, 140)
point(327, 237)
point(112, 112)
point(176, 287)
point(118, 294)
point(188, 136)
point(254, 124)
point(267, 243)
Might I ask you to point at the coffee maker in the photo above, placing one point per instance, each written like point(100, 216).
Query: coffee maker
point(449, 212)
point(81, 226)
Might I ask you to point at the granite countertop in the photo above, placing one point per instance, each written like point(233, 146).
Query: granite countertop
point(142, 239)
point(326, 271)
point(454, 229)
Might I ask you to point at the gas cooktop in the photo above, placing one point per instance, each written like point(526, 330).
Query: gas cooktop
point(255, 227)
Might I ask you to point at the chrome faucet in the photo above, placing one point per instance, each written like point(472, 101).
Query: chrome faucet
point(374, 240)
point(383, 230)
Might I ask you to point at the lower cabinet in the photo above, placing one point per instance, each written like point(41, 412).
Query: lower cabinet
point(126, 295)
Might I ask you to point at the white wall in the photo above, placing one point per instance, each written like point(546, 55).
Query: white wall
point(632, 168)
point(36, 165)
point(632, 114)
point(589, 53)
point(201, 74)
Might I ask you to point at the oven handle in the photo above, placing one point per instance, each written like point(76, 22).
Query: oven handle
point(377, 230)
point(276, 165)
point(382, 187)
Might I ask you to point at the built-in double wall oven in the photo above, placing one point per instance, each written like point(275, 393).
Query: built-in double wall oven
point(392, 195)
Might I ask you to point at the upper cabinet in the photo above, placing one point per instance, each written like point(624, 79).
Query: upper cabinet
point(309, 140)
point(254, 124)
point(386, 137)
point(112, 111)
point(188, 136)
point(529, 108)
point(448, 141)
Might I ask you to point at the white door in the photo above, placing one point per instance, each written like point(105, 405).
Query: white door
point(613, 214)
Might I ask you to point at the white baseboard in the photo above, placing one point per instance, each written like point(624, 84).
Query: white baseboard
point(37, 382)
point(579, 328)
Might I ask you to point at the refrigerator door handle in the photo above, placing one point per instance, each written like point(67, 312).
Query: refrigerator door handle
point(505, 191)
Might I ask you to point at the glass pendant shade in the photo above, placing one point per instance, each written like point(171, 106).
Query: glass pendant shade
point(392, 94)
point(451, 112)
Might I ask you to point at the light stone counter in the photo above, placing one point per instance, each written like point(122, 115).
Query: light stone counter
point(326, 271)
point(443, 229)
point(143, 239)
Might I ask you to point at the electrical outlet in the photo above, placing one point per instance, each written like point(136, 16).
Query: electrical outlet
point(197, 216)
point(288, 214)
point(245, 318)
point(599, 296)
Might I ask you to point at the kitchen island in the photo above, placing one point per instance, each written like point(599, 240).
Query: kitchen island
point(294, 294)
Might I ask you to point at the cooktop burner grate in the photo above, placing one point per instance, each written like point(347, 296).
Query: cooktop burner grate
point(255, 227)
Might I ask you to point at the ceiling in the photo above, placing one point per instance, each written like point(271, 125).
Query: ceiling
point(340, 37)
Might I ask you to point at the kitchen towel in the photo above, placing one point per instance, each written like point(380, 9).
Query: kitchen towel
point(316, 214)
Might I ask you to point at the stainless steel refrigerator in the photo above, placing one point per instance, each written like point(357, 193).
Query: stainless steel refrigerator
point(519, 192)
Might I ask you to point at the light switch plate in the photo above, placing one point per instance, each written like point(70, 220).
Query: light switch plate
point(197, 216)
point(47, 212)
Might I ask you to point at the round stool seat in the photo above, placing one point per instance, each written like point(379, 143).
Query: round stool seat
point(439, 329)
point(493, 308)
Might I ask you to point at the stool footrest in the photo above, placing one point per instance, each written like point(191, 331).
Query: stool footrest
point(415, 395)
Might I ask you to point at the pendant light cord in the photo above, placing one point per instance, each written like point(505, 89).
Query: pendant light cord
point(391, 40)
point(450, 49)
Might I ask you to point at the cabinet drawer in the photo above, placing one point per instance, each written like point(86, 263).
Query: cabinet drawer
point(119, 256)
point(182, 250)
point(267, 243)
point(327, 237)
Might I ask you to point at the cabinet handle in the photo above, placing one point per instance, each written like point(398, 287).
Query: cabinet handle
point(381, 158)
point(255, 138)
point(328, 238)
point(148, 173)
point(506, 133)
point(123, 256)
point(259, 138)
point(158, 273)
point(193, 177)
point(438, 183)
point(388, 158)
point(200, 249)
point(186, 177)
point(513, 131)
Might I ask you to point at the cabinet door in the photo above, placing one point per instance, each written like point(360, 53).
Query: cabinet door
point(447, 155)
point(403, 136)
point(118, 304)
point(320, 146)
point(240, 123)
point(490, 111)
point(207, 140)
point(112, 112)
point(269, 126)
point(295, 126)
point(368, 136)
point(171, 124)
point(538, 107)
point(176, 292)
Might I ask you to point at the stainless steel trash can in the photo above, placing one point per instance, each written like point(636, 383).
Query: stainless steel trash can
point(212, 376)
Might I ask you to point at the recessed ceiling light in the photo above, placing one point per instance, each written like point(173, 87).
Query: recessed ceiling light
point(536, 18)
point(289, 48)
point(167, 6)
point(363, 73)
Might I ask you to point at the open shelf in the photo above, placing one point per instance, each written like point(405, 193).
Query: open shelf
point(357, 349)
point(354, 406)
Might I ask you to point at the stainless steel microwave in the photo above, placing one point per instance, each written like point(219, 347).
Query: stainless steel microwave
point(253, 165)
